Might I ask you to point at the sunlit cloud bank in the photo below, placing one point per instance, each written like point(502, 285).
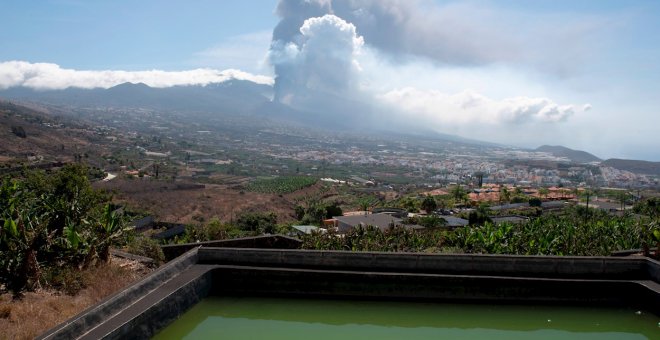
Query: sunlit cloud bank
point(47, 76)
point(471, 107)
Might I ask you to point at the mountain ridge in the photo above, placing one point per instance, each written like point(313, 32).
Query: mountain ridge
point(636, 166)
point(577, 156)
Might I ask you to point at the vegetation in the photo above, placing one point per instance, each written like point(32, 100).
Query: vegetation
point(410, 204)
point(312, 210)
point(373, 239)
point(458, 193)
point(18, 131)
point(429, 204)
point(552, 236)
point(479, 216)
point(649, 207)
point(53, 224)
point(247, 224)
point(430, 221)
point(281, 185)
point(535, 202)
point(147, 247)
point(257, 223)
point(566, 234)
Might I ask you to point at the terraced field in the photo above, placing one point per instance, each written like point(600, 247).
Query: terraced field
point(281, 185)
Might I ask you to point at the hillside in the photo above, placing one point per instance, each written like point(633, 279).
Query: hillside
point(238, 100)
point(235, 96)
point(576, 156)
point(640, 167)
point(32, 135)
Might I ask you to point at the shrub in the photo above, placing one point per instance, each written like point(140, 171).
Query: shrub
point(66, 279)
point(147, 247)
point(535, 202)
point(257, 223)
point(18, 131)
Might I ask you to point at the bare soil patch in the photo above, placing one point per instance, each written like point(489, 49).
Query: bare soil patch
point(175, 203)
point(181, 202)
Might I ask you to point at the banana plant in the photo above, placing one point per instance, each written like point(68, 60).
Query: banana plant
point(110, 229)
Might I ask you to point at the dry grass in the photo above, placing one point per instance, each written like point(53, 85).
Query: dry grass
point(221, 201)
point(39, 311)
point(186, 205)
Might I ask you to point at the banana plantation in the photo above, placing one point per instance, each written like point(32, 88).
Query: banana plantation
point(52, 224)
point(599, 234)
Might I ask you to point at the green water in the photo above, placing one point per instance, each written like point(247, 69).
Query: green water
point(273, 318)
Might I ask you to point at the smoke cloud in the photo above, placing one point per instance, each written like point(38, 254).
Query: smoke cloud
point(451, 35)
point(47, 76)
point(318, 61)
point(317, 44)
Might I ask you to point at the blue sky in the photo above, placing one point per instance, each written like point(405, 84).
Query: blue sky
point(130, 35)
point(590, 68)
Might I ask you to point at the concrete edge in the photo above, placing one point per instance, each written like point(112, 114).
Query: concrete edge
point(94, 315)
point(157, 309)
point(471, 264)
point(276, 241)
point(653, 269)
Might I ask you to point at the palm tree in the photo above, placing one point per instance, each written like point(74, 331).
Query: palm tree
point(544, 192)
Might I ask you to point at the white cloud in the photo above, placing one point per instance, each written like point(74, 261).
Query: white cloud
point(47, 76)
point(469, 107)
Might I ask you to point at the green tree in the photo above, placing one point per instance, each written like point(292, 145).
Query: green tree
point(505, 195)
point(429, 204)
point(332, 210)
point(649, 207)
point(544, 192)
point(458, 193)
point(257, 223)
point(410, 204)
point(311, 210)
point(366, 203)
point(480, 215)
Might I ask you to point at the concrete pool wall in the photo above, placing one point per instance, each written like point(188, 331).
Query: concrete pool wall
point(146, 307)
